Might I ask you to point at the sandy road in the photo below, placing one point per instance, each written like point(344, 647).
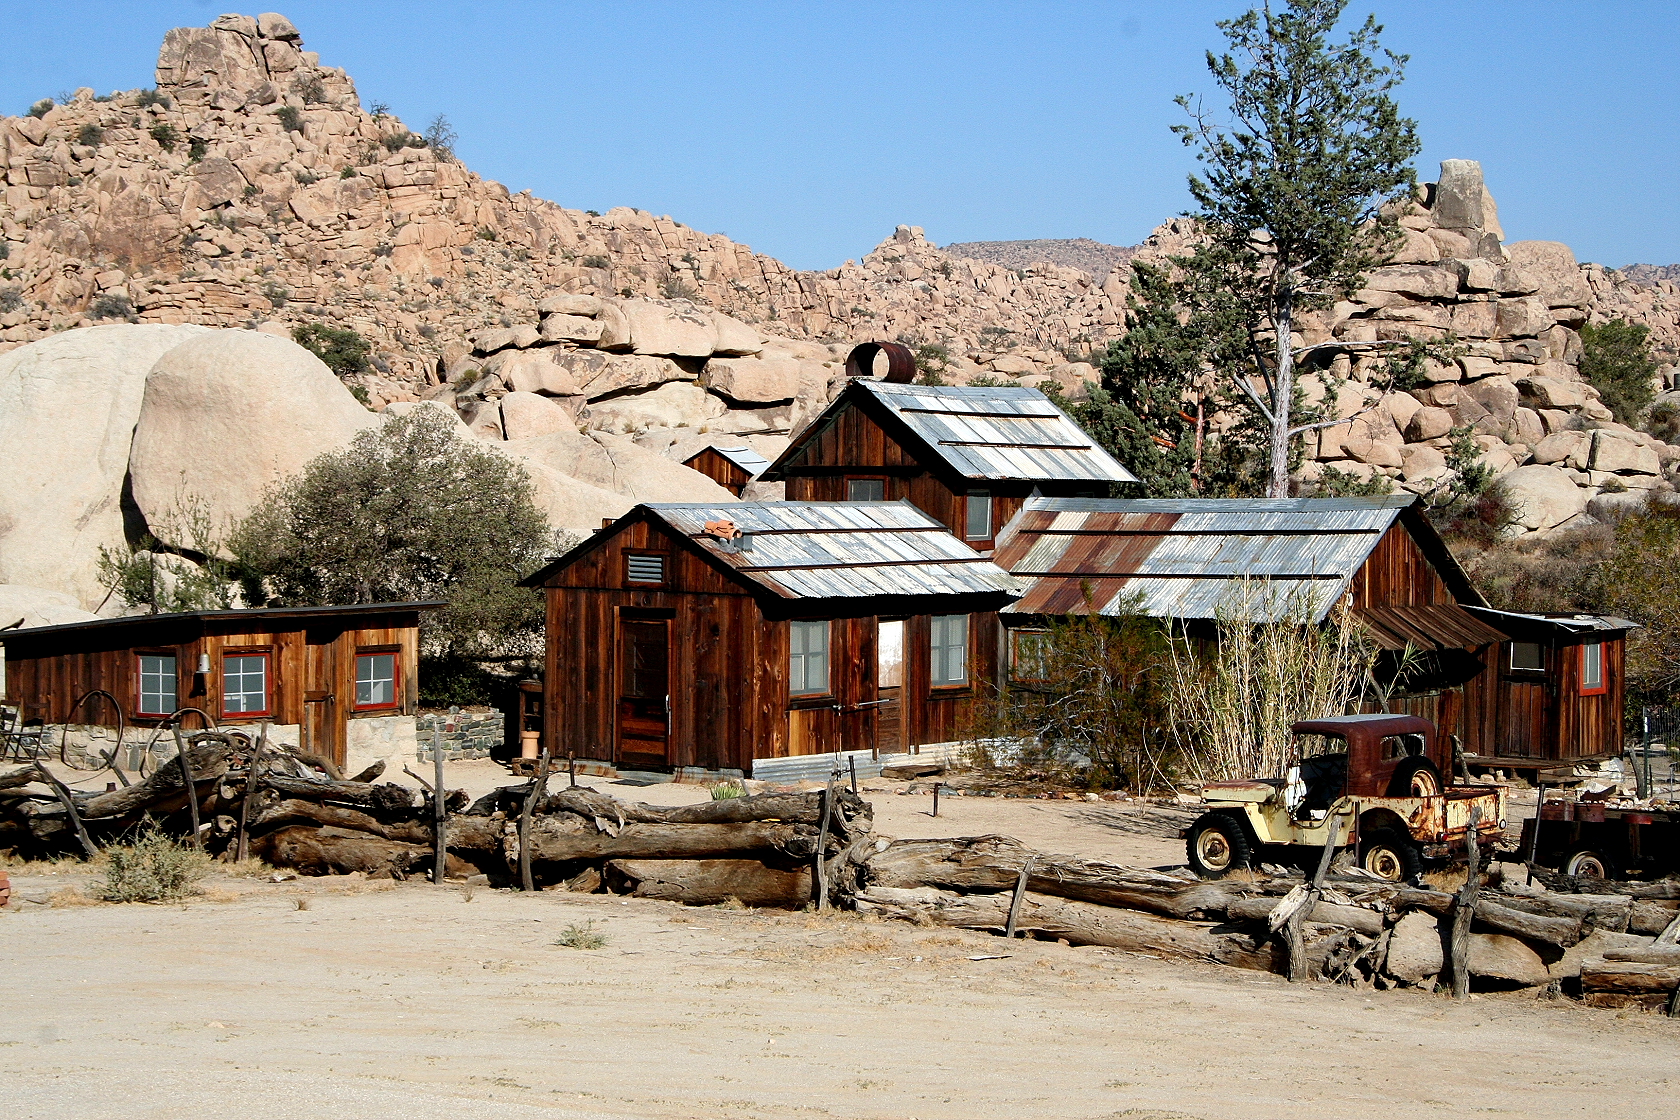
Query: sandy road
point(405, 1001)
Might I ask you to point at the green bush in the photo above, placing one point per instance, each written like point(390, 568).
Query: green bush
point(290, 118)
point(582, 935)
point(310, 88)
point(165, 135)
point(1616, 360)
point(113, 307)
point(41, 108)
point(154, 868)
point(343, 350)
point(11, 299)
point(728, 791)
point(150, 97)
point(596, 260)
point(90, 136)
point(395, 141)
point(196, 149)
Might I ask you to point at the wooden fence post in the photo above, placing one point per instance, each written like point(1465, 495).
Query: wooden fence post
point(188, 786)
point(440, 812)
point(1464, 908)
point(539, 786)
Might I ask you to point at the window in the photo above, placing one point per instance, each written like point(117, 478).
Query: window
point(979, 522)
point(807, 658)
point(1592, 669)
point(866, 489)
point(1526, 655)
point(950, 649)
point(376, 680)
point(244, 684)
point(157, 684)
point(1029, 655)
point(644, 568)
point(889, 653)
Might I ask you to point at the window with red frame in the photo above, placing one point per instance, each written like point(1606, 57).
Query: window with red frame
point(1593, 680)
point(245, 683)
point(376, 680)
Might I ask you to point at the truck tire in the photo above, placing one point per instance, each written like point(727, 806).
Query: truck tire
point(1589, 863)
point(1392, 856)
point(1218, 844)
point(1416, 777)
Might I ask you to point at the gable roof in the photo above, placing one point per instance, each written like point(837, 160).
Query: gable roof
point(1259, 559)
point(743, 456)
point(1005, 433)
point(826, 550)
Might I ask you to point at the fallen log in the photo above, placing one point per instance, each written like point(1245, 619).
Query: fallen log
point(297, 811)
point(703, 882)
point(855, 813)
point(993, 863)
point(1357, 918)
point(387, 798)
point(163, 790)
point(566, 838)
point(1594, 911)
point(1650, 917)
point(1562, 932)
point(1606, 983)
point(1655, 954)
point(370, 773)
point(325, 850)
point(1078, 923)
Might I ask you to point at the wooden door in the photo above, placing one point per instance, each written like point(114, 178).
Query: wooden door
point(1522, 717)
point(323, 709)
point(889, 686)
point(644, 692)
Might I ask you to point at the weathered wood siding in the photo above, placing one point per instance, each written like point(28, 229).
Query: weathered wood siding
point(729, 475)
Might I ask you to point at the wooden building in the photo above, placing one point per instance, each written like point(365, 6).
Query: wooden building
point(966, 456)
point(711, 635)
point(317, 669)
point(730, 467)
point(1555, 689)
point(1261, 560)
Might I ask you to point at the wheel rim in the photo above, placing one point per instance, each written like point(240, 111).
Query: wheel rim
point(1587, 865)
point(1385, 862)
point(1214, 850)
point(1425, 785)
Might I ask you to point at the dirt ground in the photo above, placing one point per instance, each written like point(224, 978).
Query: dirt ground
point(342, 997)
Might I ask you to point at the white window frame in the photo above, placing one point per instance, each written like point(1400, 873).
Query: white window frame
point(156, 674)
point(977, 501)
point(1539, 657)
point(808, 658)
point(371, 701)
point(235, 687)
point(948, 650)
point(1592, 659)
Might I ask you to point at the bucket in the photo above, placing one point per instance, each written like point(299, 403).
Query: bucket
point(528, 744)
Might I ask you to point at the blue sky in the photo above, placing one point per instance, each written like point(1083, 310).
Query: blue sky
point(808, 131)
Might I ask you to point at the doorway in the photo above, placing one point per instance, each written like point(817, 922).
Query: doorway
point(889, 686)
point(322, 718)
point(644, 693)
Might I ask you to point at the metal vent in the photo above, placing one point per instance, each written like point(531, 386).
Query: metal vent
point(647, 569)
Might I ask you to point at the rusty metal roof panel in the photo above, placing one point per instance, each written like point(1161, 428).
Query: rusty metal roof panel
point(1432, 627)
point(1260, 559)
point(840, 550)
point(1004, 433)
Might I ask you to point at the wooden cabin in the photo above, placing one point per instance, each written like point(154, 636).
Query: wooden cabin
point(1262, 560)
point(1555, 689)
point(730, 467)
point(711, 635)
point(313, 670)
point(966, 456)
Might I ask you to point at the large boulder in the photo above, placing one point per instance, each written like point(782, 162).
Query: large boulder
point(1494, 956)
point(227, 415)
point(597, 374)
point(675, 328)
point(36, 606)
point(1552, 266)
point(526, 414)
point(675, 404)
point(1458, 195)
point(1414, 948)
point(753, 379)
point(616, 464)
point(1623, 453)
point(1541, 497)
point(68, 406)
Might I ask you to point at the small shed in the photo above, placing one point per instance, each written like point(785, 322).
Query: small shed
point(968, 456)
point(330, 679)
point(1262, 560)
point(1557, 687)
point(710, 635)
point(730, 467)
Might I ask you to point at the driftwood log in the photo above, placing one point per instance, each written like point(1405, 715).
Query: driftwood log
point(708, 881)
point(325, 850)
point(1607, 983)
point(388, 797)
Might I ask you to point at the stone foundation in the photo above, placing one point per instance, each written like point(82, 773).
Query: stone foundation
point(473, 733)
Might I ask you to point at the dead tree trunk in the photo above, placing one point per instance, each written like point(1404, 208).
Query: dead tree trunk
point(704, 882)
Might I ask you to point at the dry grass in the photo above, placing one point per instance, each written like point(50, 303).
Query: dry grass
point(70, 896)
point(154, 868)
point(582, 935)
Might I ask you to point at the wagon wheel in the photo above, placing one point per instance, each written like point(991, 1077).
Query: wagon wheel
point(1589, 864)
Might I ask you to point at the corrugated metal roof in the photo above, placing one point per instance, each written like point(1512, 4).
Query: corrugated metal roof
point(840, 550)
point(1574, 623)
point(744, 457)
point(1439, 627)
point(337, 610)
point(1003, 432)
point(1261, 559)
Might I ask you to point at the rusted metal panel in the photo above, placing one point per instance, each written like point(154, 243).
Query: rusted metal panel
point(1445, 626)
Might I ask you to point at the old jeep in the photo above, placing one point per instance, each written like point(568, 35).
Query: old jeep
point(1379, 776)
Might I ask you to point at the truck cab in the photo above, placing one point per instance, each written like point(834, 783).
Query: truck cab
point(1381, 777)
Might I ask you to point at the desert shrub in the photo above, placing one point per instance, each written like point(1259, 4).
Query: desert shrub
point(1616, 360)
point(395, 141)
point(440, 137)
point(153, 579)
point(1663, 421)
point(728, 791)
point(276, 294)
point(1336, 483)
point(291, 119)
point(149, 97)
point(41, 108)
point(448, 680)
point(596, 260)
point(1640, 579)
point(113, 307)
point(196, 149)
point(310, 88)
point(164, 133)
point(90, 136)
point(11, 299)
point(343, 350)
point(675, 287)
point(932, 358)
point(582, 935)
point(486, 233)
point(153, 867)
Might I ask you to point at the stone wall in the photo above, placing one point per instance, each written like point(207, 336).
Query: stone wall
point(369, 739)
point(462, 733)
